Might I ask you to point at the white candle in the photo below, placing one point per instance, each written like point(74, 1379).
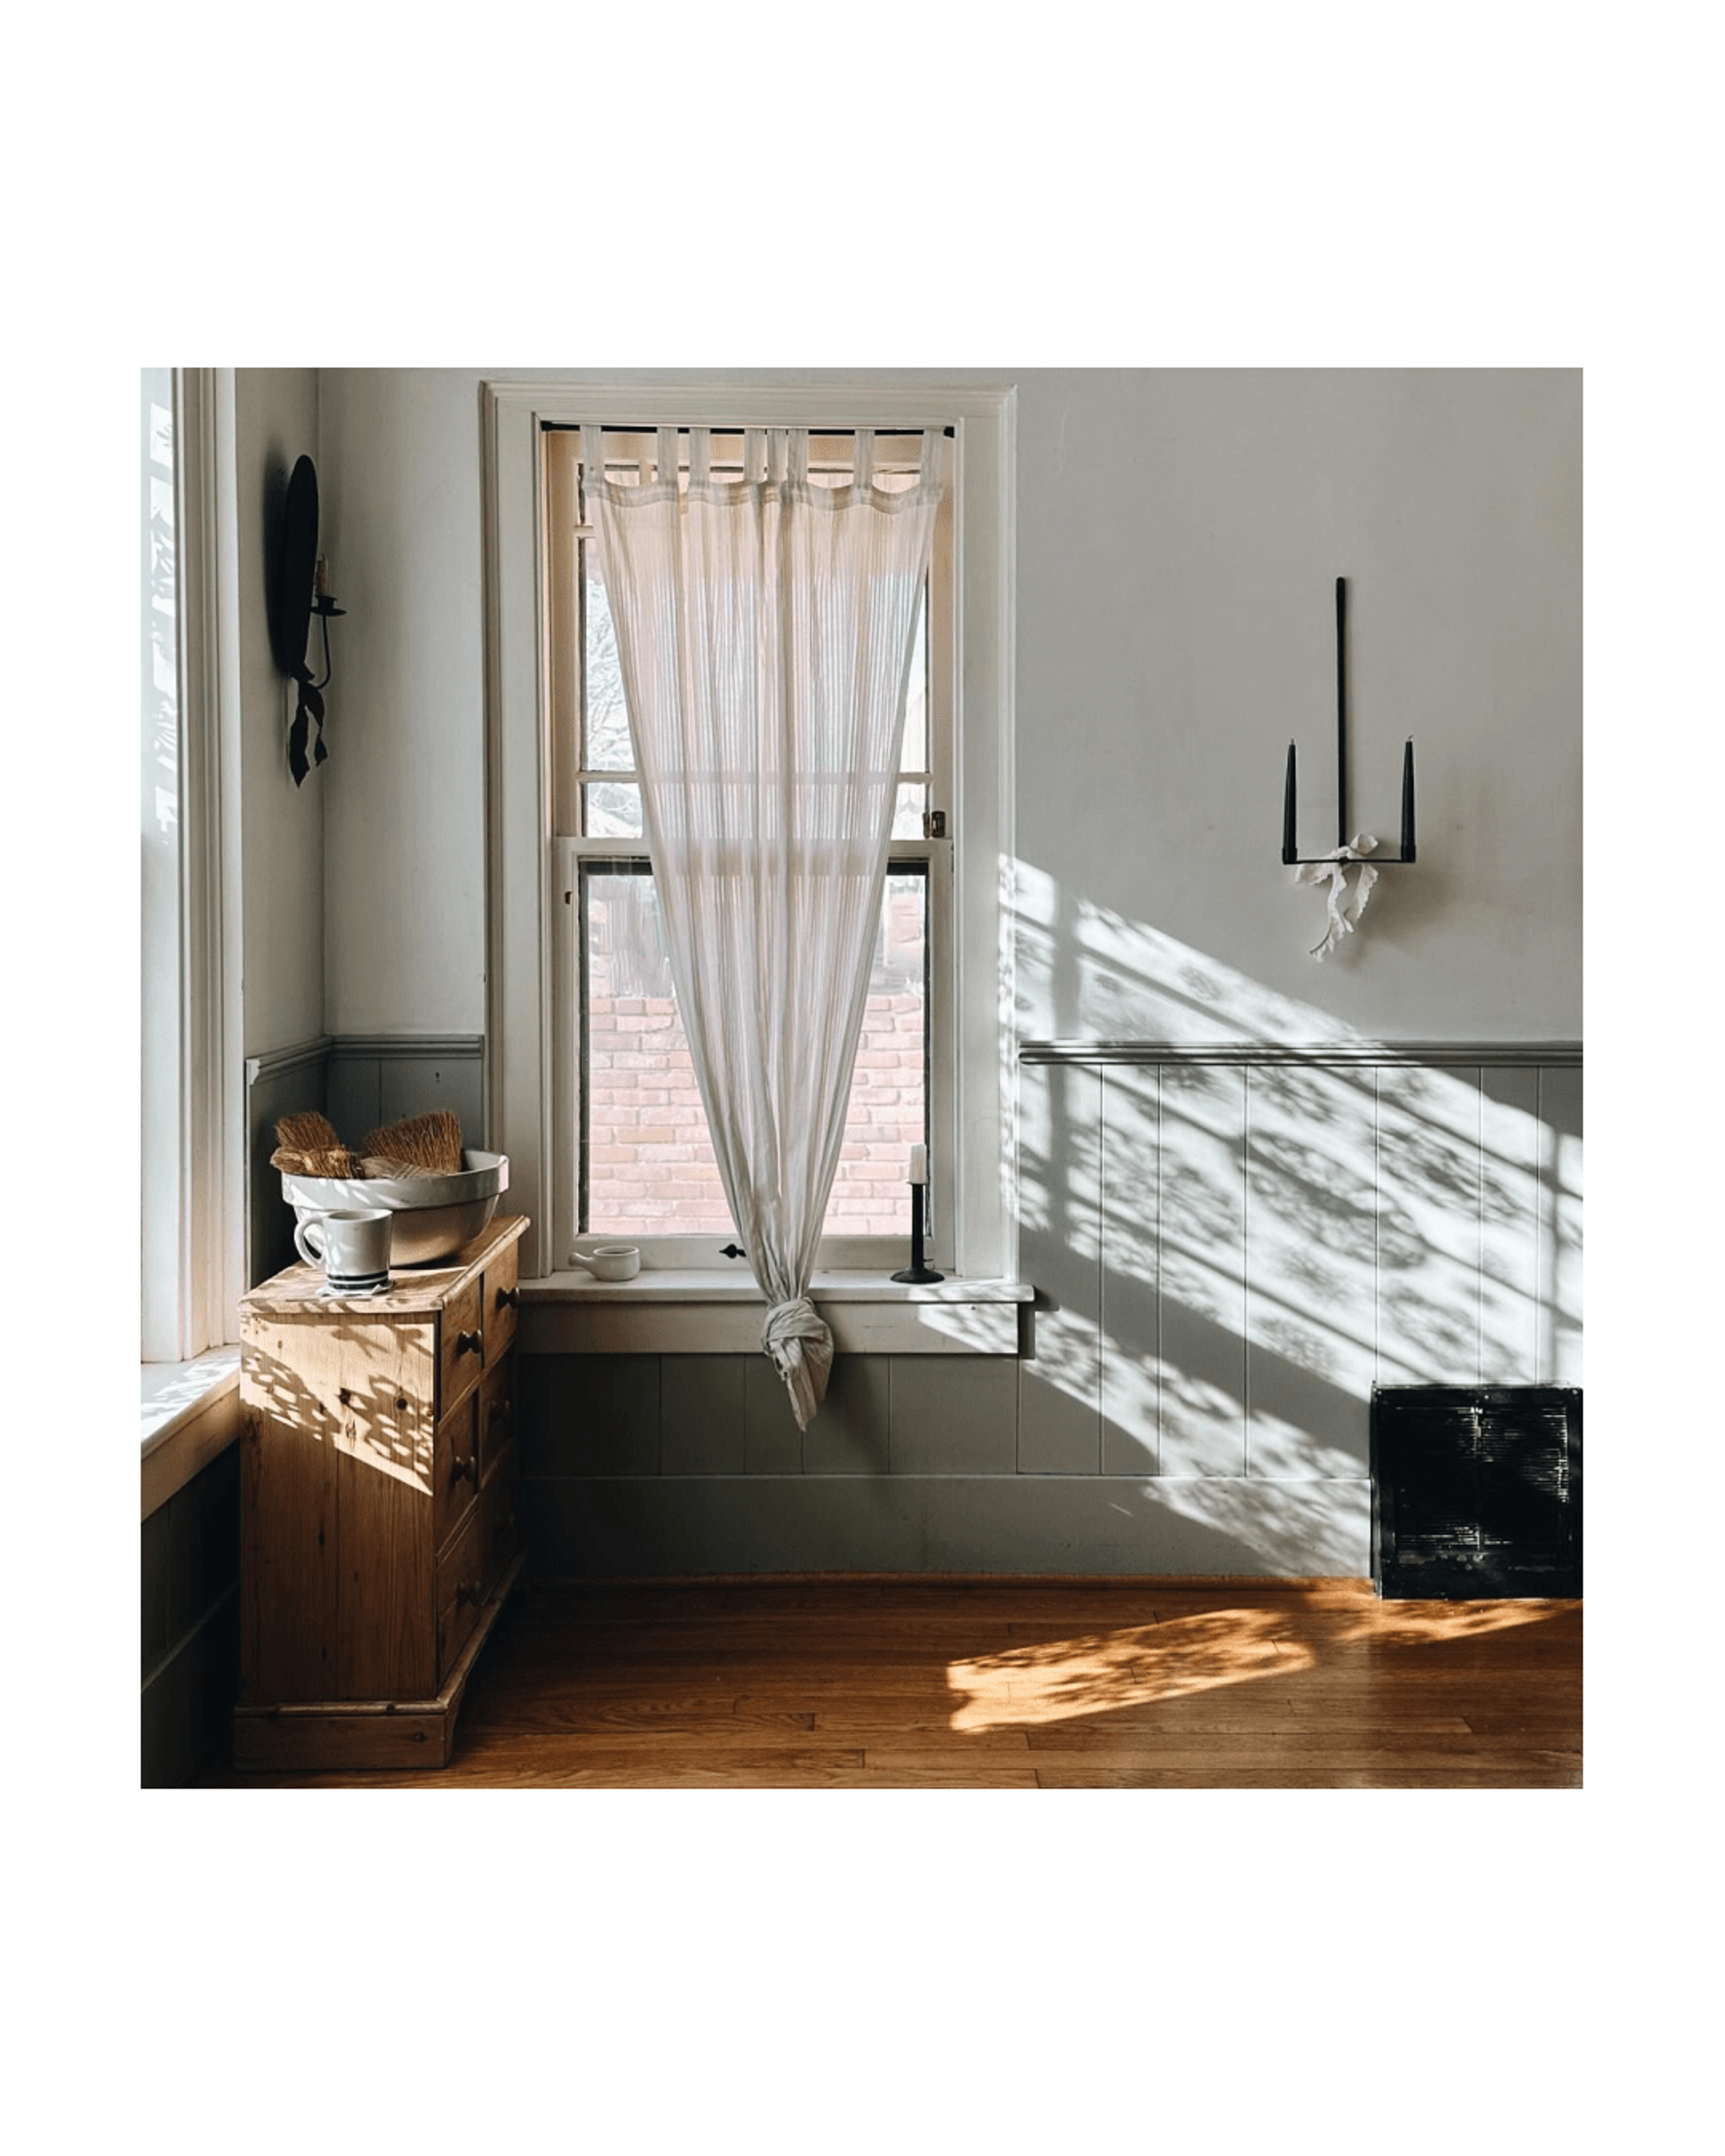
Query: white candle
point(919, 1163)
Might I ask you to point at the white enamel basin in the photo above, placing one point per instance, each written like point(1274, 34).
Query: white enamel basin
point(435, 1215)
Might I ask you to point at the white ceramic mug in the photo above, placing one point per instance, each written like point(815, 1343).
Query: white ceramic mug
point(611, 1261)
point(352, 1248)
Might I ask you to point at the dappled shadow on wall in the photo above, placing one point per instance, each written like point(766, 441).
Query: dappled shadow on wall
point(1229, 1255)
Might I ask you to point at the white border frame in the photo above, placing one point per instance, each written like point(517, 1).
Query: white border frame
point(520, 867)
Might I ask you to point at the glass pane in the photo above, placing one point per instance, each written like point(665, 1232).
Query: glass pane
point(888, 1112)
point(605, 745)
point(647, 1166)
point(915, 755)
point(647, 1160)
point(907, 812)
point(612, 809)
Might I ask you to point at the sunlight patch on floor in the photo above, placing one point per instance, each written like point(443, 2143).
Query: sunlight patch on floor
point(1136, 1665)
point(1410, 1623)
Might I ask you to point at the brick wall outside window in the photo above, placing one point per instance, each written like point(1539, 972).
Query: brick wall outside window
point(650, 1163)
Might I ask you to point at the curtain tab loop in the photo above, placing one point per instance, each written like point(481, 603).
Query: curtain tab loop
point(667, 472)
point(797, 456)
point(700, 444)
point(593, 457)
point(862, 470)
point(754, 454)
point(930, 472)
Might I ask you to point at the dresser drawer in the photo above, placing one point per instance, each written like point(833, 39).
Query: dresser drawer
point(501, 1302)
point(454, 1466)
point(496, 1413)
point(460, 1351)
point(460, 1589)
point(499, 1520)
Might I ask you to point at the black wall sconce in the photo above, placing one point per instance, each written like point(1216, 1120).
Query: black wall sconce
point(1290, 853)
point(302, 590)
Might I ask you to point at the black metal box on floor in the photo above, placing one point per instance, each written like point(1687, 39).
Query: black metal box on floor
point(1475, 1490)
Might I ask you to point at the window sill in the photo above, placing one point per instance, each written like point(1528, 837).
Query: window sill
point(703, 1313)
point(190, 1413)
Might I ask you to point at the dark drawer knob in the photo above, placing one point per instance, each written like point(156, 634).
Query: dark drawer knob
point(509, 1298)
point(469, 1343)
point(501, 1412)
point(463, 1465)
point(466, 1592)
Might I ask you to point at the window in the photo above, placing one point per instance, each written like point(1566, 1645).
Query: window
point(190, 1138)
point(543, 836)
point(632, 1156)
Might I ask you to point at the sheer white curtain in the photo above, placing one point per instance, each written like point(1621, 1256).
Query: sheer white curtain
point(765, 630)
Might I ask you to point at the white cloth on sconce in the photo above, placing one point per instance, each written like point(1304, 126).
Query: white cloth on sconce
point(1345, 905)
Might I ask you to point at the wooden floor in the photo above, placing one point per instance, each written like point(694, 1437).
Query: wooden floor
point(998, 1684)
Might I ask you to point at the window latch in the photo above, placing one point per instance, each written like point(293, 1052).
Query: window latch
point(934, 824)
point(731, 1250)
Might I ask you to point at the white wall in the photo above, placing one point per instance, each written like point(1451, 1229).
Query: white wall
point(1179, 537)
point(405, 928)
point(282, 837)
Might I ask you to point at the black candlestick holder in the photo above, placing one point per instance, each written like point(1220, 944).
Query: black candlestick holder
point(1291, 854)
point(917, 1271)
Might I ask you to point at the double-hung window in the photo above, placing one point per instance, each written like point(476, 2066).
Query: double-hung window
point(582, 1043)
point(631, 1155)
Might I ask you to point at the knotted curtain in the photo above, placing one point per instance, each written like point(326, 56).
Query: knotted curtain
point(765, 634)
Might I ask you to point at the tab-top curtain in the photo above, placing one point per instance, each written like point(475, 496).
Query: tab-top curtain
point(765, 632)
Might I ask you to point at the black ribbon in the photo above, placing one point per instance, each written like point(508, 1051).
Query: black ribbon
point(309, 707)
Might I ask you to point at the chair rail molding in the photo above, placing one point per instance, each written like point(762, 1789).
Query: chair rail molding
point(1435, 1055)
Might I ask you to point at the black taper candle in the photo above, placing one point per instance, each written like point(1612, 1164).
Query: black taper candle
point(917, 1269)
point(1290, 850)
point(1408, 800)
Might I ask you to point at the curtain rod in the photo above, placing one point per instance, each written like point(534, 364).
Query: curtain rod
point(652, 427)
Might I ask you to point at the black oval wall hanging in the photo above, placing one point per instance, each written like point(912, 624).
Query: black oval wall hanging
point(296, 600)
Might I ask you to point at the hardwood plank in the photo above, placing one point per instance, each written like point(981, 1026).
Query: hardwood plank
point(460, 1775)
point(1270, 1748)
point(1007, 1685)
point(1375, 1778)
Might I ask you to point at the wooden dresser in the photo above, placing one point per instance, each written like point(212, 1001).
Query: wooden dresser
point(380, 1526)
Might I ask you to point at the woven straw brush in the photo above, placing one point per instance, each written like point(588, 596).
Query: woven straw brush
point(309, 1132)
point(310, 1144)
point(430, 1141)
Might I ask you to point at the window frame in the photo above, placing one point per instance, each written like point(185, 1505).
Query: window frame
point(531, 948)
point(565, 693)
point(191, 1146)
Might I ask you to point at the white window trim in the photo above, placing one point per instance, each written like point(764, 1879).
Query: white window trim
point(522, 862)
point(193, 1181)
point(564, 692)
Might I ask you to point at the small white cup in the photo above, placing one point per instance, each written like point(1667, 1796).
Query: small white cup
point(352, 1248)
point(611, 1261)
